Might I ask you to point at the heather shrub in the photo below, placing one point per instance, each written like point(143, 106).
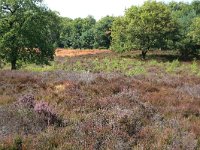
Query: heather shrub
point(6, 99)
point(44, 111)
point(48, 140)
point(117, 120)
point(47, 112)
point(18, 120)
point(14, 144)
point(191, 90)
point(26, 101)
point(26, 116)
point(86, 77)
point(103, 107)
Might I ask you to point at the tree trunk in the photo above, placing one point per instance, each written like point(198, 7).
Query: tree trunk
point(1, 64)
point(144, 54)
point(14, 56)
point(13, 64)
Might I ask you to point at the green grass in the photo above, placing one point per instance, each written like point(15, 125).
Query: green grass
point(172, 66)
point(114, 63)
point(129, 66)
point(194, 68)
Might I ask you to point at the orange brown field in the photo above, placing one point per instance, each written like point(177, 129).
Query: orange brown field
point(71, 53)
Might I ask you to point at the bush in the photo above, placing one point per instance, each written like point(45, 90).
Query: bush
point(43, 109)
point(26, 101)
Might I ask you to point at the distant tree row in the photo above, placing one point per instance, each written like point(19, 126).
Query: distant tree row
point(155, 25)
point(86, 33)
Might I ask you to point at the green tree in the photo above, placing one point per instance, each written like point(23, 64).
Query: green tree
point(77, 27)
point(80, 30)
point(87, 39)
point(28, 31)
point(119, 35)
point(88, 23)
point(87, 35)
point(196, 6)
point(194, 32)
point(150, 25)
point(103, 32)
point(65, 33)
point(184, 14)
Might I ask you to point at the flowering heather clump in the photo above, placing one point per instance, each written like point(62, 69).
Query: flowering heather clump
point(27, 101)
point(191, 90)
point(46, 111)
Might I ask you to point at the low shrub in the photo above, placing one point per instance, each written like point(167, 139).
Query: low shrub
point(45, 111)
point(26, 101)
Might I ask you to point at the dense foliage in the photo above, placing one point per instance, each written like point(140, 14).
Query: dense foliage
point(28, 31)
point(185, 14)
point(86, 33)
point(156, 25)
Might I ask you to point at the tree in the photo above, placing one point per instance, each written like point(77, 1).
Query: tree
point(65, 33)
point(194, 32)
point(80, 29)
point(77, 33)
point(150, 25)
point(88, 23)
point(87, 35)
point(119, 35)
point(28, 31)
point(103, 32)
point(196, 6)
point(87, 39)
point(184, 14)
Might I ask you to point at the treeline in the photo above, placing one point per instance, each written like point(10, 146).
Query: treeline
point(154, 25)
point(30, 32)
point(86, 33)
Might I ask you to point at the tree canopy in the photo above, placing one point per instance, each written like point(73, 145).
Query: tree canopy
point(86, 33)
point(184, 14)
point(28, 31)
point(194, 31)
point(147, 27)
point(102, 32)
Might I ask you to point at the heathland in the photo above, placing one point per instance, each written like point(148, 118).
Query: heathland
point(121, 83)
point(102, 101)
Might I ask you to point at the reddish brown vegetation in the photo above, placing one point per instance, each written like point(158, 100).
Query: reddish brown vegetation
point(72, 53)
point(100, 109)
